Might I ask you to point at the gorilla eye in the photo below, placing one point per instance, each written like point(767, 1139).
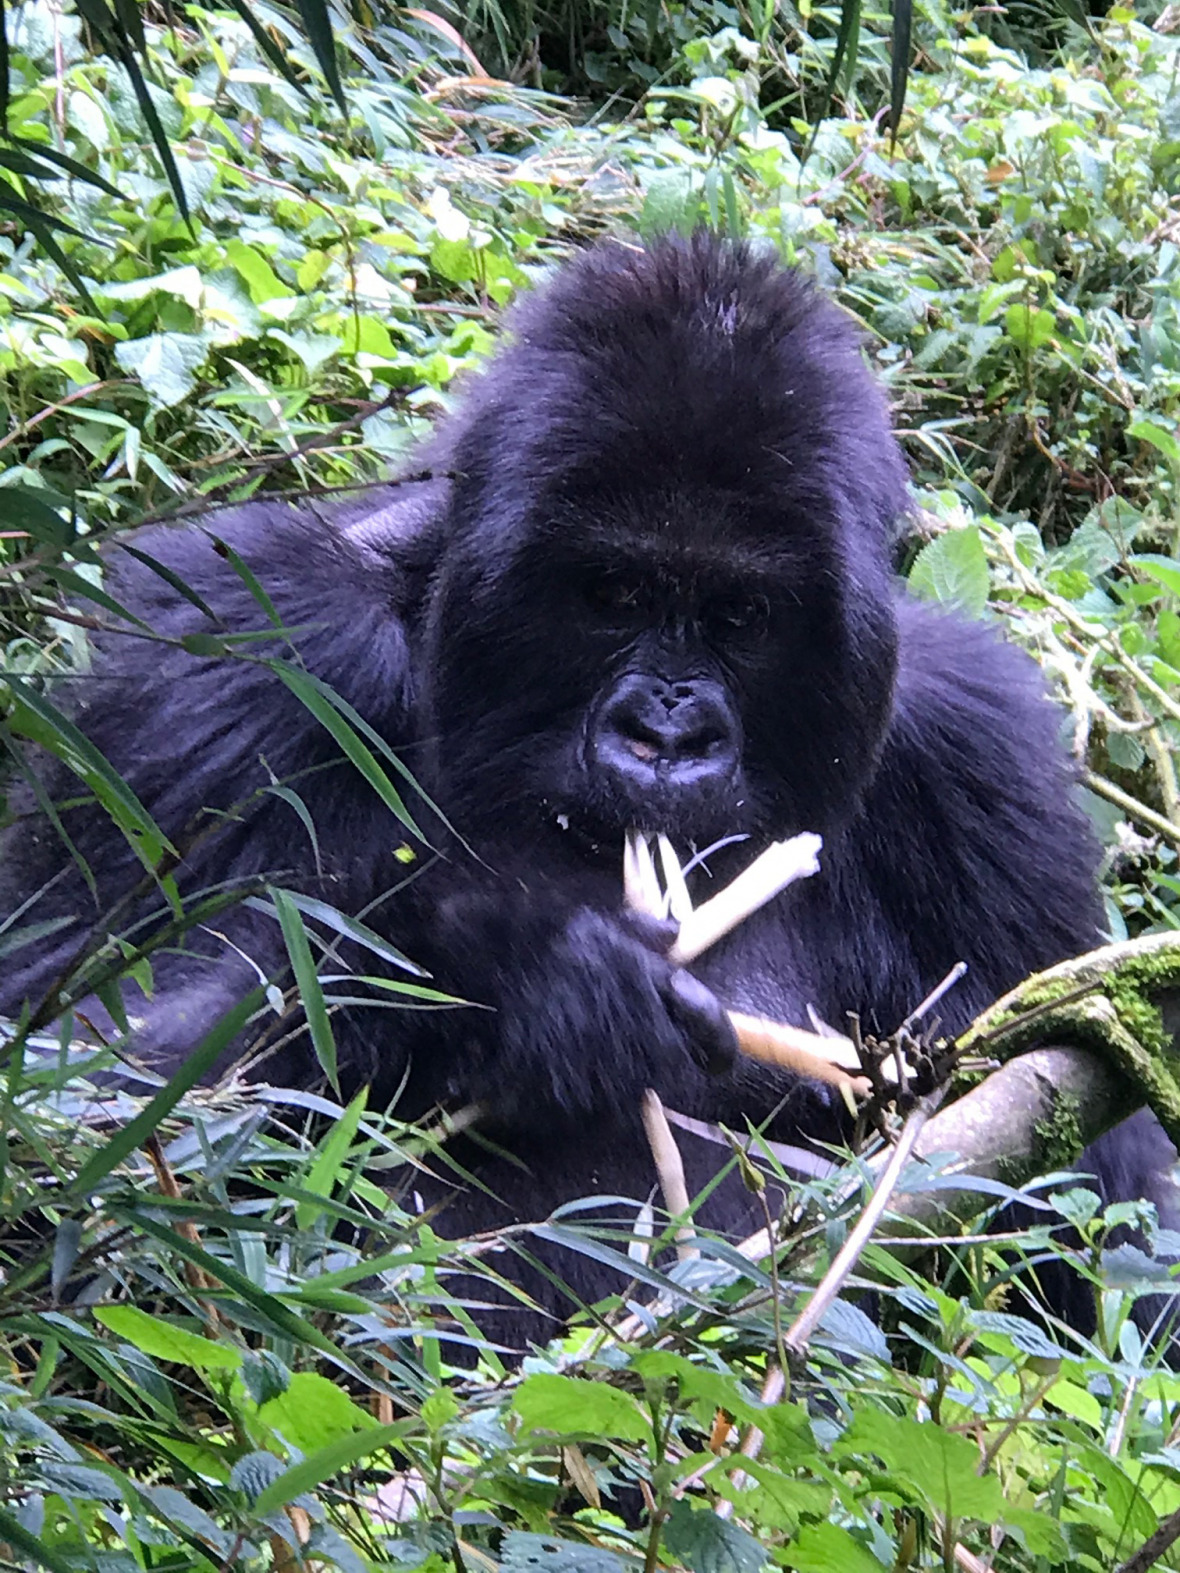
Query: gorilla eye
point(614, 594)
point(738, 613)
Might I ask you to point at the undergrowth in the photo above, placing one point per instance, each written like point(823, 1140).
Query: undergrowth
point(220, 1312)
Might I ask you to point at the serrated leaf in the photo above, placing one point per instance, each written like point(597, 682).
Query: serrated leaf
point(952, 570)
point(708, 1544)
point(826, 1548)
point(251, 1475)
point(547, 1402)
point(165, 363)
point(265, 1376)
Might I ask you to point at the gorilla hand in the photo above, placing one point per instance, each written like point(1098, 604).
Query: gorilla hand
point(587, 1015)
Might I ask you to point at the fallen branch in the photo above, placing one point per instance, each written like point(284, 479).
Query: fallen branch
point(1122, 1002)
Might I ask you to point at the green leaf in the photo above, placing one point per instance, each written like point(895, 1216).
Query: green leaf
point(1157, 437)
point(938, 1465)
point(17, 1536)
point(261, 279)
point(350, 928)
point(1029, 327)
point(523, 1552)
point(313, 1413)
point(35, 718)
point(307, 982)
point(38, 512)
point(328, 711)
point(952, 570)
point(328, 1461)
point(1164, 570)
point(708, 1544)
point(164, 1341)
point(569, 1404)
point(322, 1176)
point(42, 152)
point(318, 24)
point(267, 1306)
point(165, 363)
point(826, 1548)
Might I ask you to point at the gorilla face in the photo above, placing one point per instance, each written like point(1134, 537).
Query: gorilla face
point(675, 638)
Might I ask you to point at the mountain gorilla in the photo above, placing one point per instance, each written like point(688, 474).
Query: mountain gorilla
point(651, 587)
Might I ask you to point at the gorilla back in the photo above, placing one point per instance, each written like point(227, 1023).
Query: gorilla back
point(651, 587)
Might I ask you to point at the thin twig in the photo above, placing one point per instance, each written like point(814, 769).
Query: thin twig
point(1154, 1546)
point(1132, 806)
point(800, 1333)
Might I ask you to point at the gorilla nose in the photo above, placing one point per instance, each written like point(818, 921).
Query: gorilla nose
point(680, 732)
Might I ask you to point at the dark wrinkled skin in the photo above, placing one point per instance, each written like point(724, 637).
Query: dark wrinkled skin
point(655, 590)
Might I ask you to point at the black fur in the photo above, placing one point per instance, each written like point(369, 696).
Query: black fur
point(674, 495)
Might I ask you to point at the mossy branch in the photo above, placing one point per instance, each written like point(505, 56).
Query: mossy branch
point(1121, 1002)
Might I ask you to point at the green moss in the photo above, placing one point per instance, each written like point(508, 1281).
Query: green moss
point(1060, 1134)
point(1137, 1014)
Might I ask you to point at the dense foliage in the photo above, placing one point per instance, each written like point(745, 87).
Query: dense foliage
point(219, 1338)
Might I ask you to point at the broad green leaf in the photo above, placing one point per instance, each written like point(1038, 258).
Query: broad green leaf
point(952, 569)
point(28, 1545)
point(938, 1465)
point(1158, 437)
point(826, 1548)
point(165, 363)
point(261, 279)
point(328, 1461)
point(708, 1544)
point(314, 1412)
point(1029, 327)
point(567, 1404)
point(1164, 570)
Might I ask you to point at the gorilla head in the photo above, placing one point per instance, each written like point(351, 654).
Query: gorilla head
point(683, 470)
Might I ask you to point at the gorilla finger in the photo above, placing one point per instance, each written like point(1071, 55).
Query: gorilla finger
point(698, 1011)
point(658, 934)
